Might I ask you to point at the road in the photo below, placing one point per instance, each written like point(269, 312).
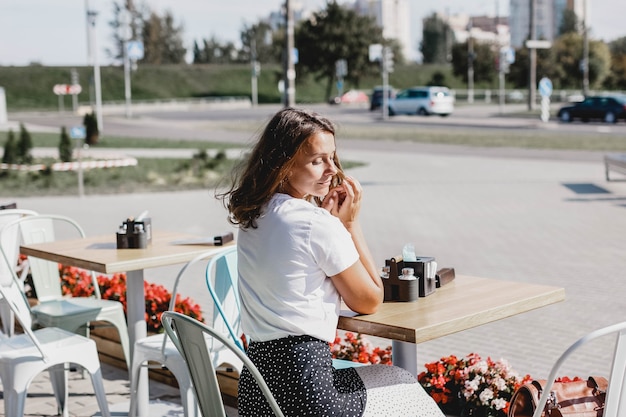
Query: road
point(210, 124)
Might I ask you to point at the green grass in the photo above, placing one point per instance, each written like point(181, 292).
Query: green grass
point(30, 87)
point(150, 175)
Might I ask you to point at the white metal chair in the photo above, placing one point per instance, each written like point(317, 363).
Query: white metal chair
point(615, 403)
point(190, 338)
point(10, 244)
point(221, 280)
point(158, 348)
point(24, 356)
point(54, 309)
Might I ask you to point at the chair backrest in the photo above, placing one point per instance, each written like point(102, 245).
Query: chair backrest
point(189, 337)
point(41, 228)
point(186, 269)
point(10, 242)
point(222, 281)
point(615, 403)
point(17, 302)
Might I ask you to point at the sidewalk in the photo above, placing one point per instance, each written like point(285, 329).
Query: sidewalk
point(534, 216)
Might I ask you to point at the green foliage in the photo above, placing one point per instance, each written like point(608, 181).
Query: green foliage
point(24, 146)
point(162, 40)
point(333, 34)
point(161, 37)
point(65, 146)
point(569, 23)
point(436, 38)
point(566, 55)
point(92, 133)
point(617, 76)
point(10, 149)
point(483, 61)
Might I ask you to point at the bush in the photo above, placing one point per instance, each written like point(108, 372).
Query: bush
point(24, 146)
point(91, 128)
point(65, 146)
point(10, 149)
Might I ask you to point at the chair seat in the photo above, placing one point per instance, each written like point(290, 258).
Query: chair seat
point(88, 308)
point(149, 349)
point(74, 313)
point(54, 340)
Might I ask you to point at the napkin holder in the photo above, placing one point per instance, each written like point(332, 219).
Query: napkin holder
point(397, 289)
point(135, 234)
point(426, 278)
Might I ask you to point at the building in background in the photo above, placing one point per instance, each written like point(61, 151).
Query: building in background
point(483, 29)
point(393, 16)
point(548, 18)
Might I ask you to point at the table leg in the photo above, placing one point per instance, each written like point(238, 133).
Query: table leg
point(137, 329)
point(405, 355)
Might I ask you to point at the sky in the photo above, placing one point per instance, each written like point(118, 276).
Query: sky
point(54, 32)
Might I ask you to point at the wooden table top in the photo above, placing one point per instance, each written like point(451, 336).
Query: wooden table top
point(462, 304)
point(100, 253)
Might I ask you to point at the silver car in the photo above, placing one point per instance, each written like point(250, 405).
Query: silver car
point(423, 100)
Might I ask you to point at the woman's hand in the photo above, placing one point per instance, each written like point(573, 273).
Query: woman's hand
point(344, 201)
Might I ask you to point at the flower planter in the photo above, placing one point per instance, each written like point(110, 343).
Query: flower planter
point(110, 352)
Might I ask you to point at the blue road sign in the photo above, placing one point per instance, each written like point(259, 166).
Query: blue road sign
point(78, 132)
point(134, 50)
point(545, 87)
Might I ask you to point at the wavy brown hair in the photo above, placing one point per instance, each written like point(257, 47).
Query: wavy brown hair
point(259, 177)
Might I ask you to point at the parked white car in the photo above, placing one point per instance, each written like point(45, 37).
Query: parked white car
point(423, 100)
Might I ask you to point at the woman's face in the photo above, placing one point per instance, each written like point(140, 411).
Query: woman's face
point(313, 167)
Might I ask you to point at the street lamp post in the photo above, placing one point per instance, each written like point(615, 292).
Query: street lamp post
point(585, 62)
point(290, 71)
point(470, 63)
point(93, 59)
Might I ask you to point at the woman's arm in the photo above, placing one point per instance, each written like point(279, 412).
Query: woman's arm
point(360, 285)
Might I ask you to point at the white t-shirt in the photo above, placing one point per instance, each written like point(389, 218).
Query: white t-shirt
point(284, 265)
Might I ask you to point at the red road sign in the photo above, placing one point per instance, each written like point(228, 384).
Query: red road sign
point(63, 89)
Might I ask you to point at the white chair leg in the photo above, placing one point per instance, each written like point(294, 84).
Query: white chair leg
point(58, 379)
point(98, 387)
point(13, 403)
point(187, 396)
point(133, 373)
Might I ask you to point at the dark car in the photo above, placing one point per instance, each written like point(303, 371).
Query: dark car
point(376, 100)
point(609, 109)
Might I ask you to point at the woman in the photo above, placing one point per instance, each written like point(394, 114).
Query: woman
point(301, 251)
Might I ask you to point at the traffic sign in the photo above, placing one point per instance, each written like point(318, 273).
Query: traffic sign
point(63, 89)
point(538, 44)
point(78, 132)
point(134, 49)
point(545, 87)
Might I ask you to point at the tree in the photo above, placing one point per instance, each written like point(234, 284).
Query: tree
point(162, 40)
point(333, 34)
point(484, 61)
point(570, 23)
point(118, 33)
point(257, 40)
point(10, 149)
point(567, 53)
point(91, 128)
point(518, 71)
point(24, 146)
point(65, 146)
point(161, 37)
point(436, 38)
point(617, 76)
point(214, 52)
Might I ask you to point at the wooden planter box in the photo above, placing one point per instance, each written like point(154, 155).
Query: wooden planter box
point(110, 352)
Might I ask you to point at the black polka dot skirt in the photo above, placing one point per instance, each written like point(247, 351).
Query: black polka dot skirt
point(299, 372)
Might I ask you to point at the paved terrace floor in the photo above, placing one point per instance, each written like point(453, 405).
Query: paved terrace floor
point(528, 216)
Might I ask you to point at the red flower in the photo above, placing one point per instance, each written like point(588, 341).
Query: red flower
point(356, 348)
point(77, 283)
